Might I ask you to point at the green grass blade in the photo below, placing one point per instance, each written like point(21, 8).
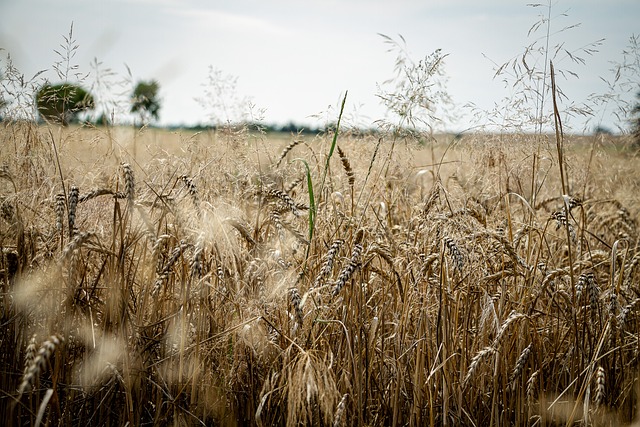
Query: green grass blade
point(312, 201)
point(334, 142)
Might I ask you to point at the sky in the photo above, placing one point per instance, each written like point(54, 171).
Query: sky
point(284, 60)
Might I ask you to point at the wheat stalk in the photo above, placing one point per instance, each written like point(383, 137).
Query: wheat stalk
point(454, 252)
point(286, 199)
point(352, 266)
point(626, 310)
point(78, 240)
point(587, 283)
point(129, 182)
point(29, 355)
point(94, 193)
point(346, 165)
point(327, 266)
point(432, 198)
point(297, 306)
point(513, 316)
point(475, 362)
point(293, 184)
point(192, 189)
point(520, 363)
point(339, 417)
point(197, 258)
point(242, 229)
point(288, 148)
point(39, 362)
point(7, 211)
point(600, 386)
point(72, 205)
point(59, 209)
point(532, 383)
point(167, 268)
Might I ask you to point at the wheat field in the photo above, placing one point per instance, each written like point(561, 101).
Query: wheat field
point(236, 278)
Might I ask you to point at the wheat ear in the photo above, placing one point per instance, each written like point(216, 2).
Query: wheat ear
point(39, 362)
point(74, 193)
point(354, 264)
point(286, 150)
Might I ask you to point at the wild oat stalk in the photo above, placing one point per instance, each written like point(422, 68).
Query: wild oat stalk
point(5, 173)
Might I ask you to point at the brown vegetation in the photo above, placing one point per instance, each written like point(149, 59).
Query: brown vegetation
point(163, 279)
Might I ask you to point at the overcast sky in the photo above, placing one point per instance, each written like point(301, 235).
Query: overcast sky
point(295, 59)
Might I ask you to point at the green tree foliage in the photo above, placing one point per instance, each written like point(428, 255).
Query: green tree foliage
point(62, 103)
point(144, 100)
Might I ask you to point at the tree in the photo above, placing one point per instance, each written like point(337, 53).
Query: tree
point(62, 103)
point(145, 102)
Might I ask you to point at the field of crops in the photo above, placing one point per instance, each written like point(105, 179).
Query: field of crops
point(237, 278)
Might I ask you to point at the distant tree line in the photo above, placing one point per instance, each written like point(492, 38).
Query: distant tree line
point(290, 127)
point(65, 103)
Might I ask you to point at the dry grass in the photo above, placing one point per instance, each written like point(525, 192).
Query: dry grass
point(158, 278)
